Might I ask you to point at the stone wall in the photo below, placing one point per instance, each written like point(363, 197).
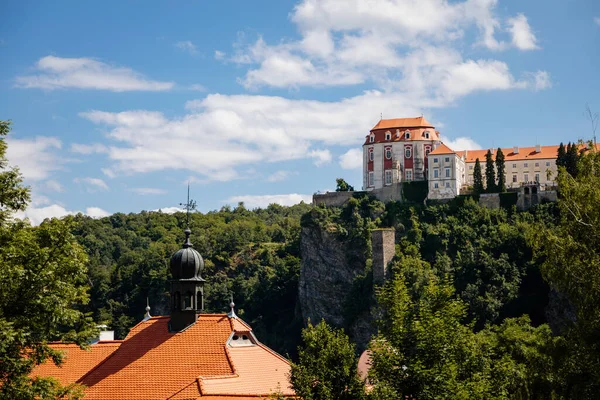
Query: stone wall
point(383, 243)
point(489, 200)
point(338, 199)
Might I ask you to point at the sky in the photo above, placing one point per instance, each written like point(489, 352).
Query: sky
point(117, 106)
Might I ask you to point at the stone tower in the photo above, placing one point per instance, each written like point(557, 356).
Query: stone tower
point(383, 242)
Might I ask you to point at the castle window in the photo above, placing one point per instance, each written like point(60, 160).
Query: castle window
point(436, 173)
point(447, 172)
point(537, 178)
point(470, 167)
point(408, 152)
point(409, 175)
point(547, 163)
point(514, 165)
point(427, 151)
point(447, 184)
point(426, 133)
point(370, 183)
point(388, 177)
point(435, 160)
point(435, 185)
point(407, 134)
point(388, 153)
point(526, 177)
point(447, 159)
point(526, 165)
point(537, 164)
point(371, 138)
point(388, 136)
point(370, 154)
point(199, 301)
point(514, 178)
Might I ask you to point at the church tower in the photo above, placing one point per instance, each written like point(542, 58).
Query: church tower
point(187, 286)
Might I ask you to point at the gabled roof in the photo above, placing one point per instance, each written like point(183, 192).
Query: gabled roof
point(442, 149)
point(418, 122)
point(153, 363)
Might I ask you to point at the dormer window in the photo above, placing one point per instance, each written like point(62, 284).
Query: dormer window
point(371, 138)
point(388, 135)
point(241, 339)
point(407, 134)
point(426, 134)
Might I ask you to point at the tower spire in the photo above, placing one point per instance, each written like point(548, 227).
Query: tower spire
point(189, 206)
point(147, 316)
point(231, 313)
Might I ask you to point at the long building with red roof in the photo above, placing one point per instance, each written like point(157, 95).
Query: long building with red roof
point(187, 355)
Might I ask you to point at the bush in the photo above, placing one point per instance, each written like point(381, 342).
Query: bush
point(508, 199)
point(415, 192)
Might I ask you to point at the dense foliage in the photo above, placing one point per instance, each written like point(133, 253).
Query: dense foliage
point(252, 255)
point(43, 285)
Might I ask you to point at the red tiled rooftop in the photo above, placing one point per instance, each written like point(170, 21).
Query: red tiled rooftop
point(418, 122)
point(442, 149)
point(153, 363)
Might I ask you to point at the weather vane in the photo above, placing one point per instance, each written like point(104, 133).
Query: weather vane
point(189, 206)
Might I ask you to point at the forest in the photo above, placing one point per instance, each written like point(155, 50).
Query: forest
point(480, 303)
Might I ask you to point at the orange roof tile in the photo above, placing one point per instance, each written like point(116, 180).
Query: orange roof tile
point(77, 361)
point(442, 149)
point(418, 122)
point(196, 363)
point(259, 371)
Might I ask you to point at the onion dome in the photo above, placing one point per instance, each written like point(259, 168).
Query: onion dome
point(187, 263)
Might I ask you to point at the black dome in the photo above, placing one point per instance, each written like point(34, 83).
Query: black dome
point(187, 263)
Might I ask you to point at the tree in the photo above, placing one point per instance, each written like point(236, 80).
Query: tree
point(43, 280)
point(327, 366)
point(571, 159)
point(500, 171)
point(478, 178)
point(570, 262)
point(490, 173)
point(561, 156)
point(343, 186)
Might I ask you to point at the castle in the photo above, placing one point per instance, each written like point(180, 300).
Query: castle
point(409, 149)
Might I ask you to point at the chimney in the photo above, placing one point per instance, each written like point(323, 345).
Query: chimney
point(516, 150)
point(104, 334)
point(383, 242)
point(538, 148)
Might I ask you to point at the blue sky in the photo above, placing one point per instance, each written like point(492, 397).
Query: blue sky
point(117, 105)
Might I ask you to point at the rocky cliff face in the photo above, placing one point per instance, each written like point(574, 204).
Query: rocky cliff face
point(329, 270)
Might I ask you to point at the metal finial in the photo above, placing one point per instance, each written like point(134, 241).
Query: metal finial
point(187, 242)
point(189, 205)
point(147, 316)
point(231, 313)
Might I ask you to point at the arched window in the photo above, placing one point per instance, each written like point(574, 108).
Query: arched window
point(176, 301)
point(199, 301)
point(187, 301)
point(407, 134)
point(372, 138)
point(370, 154)
point(408, 152)
point(388, 153)
point(426, 133)
point(388, 135)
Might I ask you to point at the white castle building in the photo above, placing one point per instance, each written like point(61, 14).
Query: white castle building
point(409, 149)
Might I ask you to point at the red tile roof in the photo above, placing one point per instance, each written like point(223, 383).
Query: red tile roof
point(153, 363)
point(77, 362)
point(418, 122)
point(442, 149)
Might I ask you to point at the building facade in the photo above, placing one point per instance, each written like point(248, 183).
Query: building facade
point(397, 150)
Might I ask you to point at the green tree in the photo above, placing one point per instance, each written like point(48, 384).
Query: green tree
point(561, 156)
point(570, 261)
point(572, 159)
point(478, 178)
point(327, 366)
point(43, 280)
point(343, 186)
point(500, 171)
point(490, 173)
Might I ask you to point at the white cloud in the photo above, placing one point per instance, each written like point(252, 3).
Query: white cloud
point(169, 210)
point(187, 46)
point(148, 191)
point(262, 201)
point(522, 37)
point(352, 159)
point(219, 55)
point(541, 80)
point(53, 186)
point(198, 88)
point(36, 158)
point(37, 215)
point(87, 73)
point(349, 42)
point(92, 184)
point(88, 148)
point(461, 143)
point(321, 157)
point(280, 175)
